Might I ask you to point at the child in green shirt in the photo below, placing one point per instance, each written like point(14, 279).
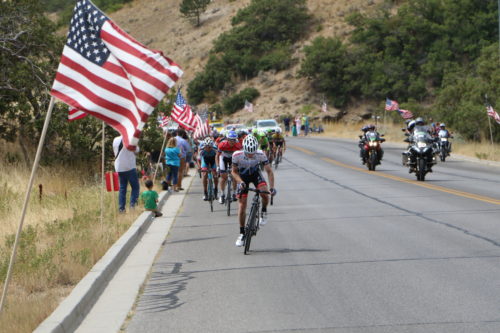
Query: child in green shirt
point(150, 199)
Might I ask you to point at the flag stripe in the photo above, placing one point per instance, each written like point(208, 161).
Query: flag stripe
point(156, 61)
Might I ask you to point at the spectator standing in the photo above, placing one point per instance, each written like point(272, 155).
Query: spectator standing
point(173, 162)
point(305, 123)
point(286, 122)
point(184, 148)
point(298, 124)
point(189, 154)
point(125, 165)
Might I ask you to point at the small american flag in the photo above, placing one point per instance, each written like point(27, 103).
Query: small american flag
point(406, 114)
point(165, 120)
point(74, 114)
point(324, 107)
point(109, 75)
point(248, 106)
point(391, 105)
point(493, 114)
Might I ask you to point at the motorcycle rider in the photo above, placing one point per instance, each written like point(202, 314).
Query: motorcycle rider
point(444, 133)
point(417, 127)
point(363, 140)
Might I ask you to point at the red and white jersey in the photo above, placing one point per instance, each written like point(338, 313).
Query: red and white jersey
point(249, 166)
point(227, 150)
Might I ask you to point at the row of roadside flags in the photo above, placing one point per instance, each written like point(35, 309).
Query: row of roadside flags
point(391, 105)
point(106, 73)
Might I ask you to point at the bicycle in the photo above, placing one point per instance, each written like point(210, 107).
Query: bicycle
point(252, 225)
point(229, 197)
point(210, 190)
point(279, 155)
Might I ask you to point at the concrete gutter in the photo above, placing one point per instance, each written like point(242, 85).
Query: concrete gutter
point(73, 309)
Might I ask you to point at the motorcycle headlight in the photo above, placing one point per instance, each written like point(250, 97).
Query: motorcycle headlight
point(421, 144)
point(444, 139)
point(372, 144)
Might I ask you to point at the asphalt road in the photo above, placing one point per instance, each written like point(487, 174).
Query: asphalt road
point(345, 250)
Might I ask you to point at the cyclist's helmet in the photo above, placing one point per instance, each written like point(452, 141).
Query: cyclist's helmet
point(419, 121)
point(208, 142)
point(250, 144)
point(278, 130)
point(232, 135)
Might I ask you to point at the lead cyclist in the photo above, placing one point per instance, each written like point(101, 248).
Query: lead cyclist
point(246, 170)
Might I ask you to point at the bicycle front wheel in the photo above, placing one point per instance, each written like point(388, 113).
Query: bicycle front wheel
point(211, 193)
point(249, 230)
point(228, 196)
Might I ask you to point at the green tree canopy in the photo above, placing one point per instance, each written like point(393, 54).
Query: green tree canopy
point(192, 9)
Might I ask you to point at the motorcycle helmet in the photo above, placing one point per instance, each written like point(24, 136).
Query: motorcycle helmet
point(419, 121)
point(411, 124)
point(442, 125)
point(250, 144)
point(371, 127)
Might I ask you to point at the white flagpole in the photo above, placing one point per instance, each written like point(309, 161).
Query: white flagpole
point(102, 172)
point(26, 201)
point(159, 157)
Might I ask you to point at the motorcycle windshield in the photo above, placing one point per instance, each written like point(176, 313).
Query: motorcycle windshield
point(371, 136)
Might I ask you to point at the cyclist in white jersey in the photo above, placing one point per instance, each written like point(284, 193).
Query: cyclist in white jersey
point(246, 170)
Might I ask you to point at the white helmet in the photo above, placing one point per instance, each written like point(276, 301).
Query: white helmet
point(208, 141)
point(250, 144)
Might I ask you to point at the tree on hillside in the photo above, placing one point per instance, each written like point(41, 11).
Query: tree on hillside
point(192, 9)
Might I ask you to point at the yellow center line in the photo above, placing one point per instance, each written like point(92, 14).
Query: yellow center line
point(308, 152)
point(417, 183)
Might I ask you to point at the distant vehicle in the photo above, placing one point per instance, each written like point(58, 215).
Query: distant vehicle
point(264, 125)
point(217, 126)
point(234, 127)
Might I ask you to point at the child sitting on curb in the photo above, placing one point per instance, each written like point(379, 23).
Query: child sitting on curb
point(150, 199)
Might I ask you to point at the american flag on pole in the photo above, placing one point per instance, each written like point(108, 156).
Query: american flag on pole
point(324, 107)
point(202, 128)
point(74, 114)
point(391, 105)
point(493, 114)
point(182, 113)
point(109, 75)
point(406, 114)
point(248, 106)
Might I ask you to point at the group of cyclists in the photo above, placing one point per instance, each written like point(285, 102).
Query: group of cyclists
point(244, 155)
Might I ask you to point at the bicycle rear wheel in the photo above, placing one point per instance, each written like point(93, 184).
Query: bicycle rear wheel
point(249, 230)
point(211, 192)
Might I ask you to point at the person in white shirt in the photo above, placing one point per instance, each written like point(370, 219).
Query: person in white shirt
point(125, 165)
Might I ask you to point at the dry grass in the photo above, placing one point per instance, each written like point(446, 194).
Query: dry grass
point(62, 238)
point(392, 133)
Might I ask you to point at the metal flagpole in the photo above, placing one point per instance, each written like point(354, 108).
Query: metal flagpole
point(159, 157)
point(26, 201)
point(102, 172)
point(491, 132)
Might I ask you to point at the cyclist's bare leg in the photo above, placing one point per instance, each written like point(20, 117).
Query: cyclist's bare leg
point(242, 210)
point(204, 179)
point(216, 179)
point(265, 197)
point(223, 180)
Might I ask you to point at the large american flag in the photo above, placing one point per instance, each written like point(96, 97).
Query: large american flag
point(493, 114)
point(182, 113)
point(108, 74)
point(391, 105)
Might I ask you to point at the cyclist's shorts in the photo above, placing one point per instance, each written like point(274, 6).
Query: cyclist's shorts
point(225, 164)
point(208, 163)
point(257, 179)
point(263, 147)
point(278, 143)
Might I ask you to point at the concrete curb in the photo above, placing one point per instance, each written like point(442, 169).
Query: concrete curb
point(73, 309)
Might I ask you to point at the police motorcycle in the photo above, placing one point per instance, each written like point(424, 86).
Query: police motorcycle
point(372, 149)
point(420, 155)
point(444, 145)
